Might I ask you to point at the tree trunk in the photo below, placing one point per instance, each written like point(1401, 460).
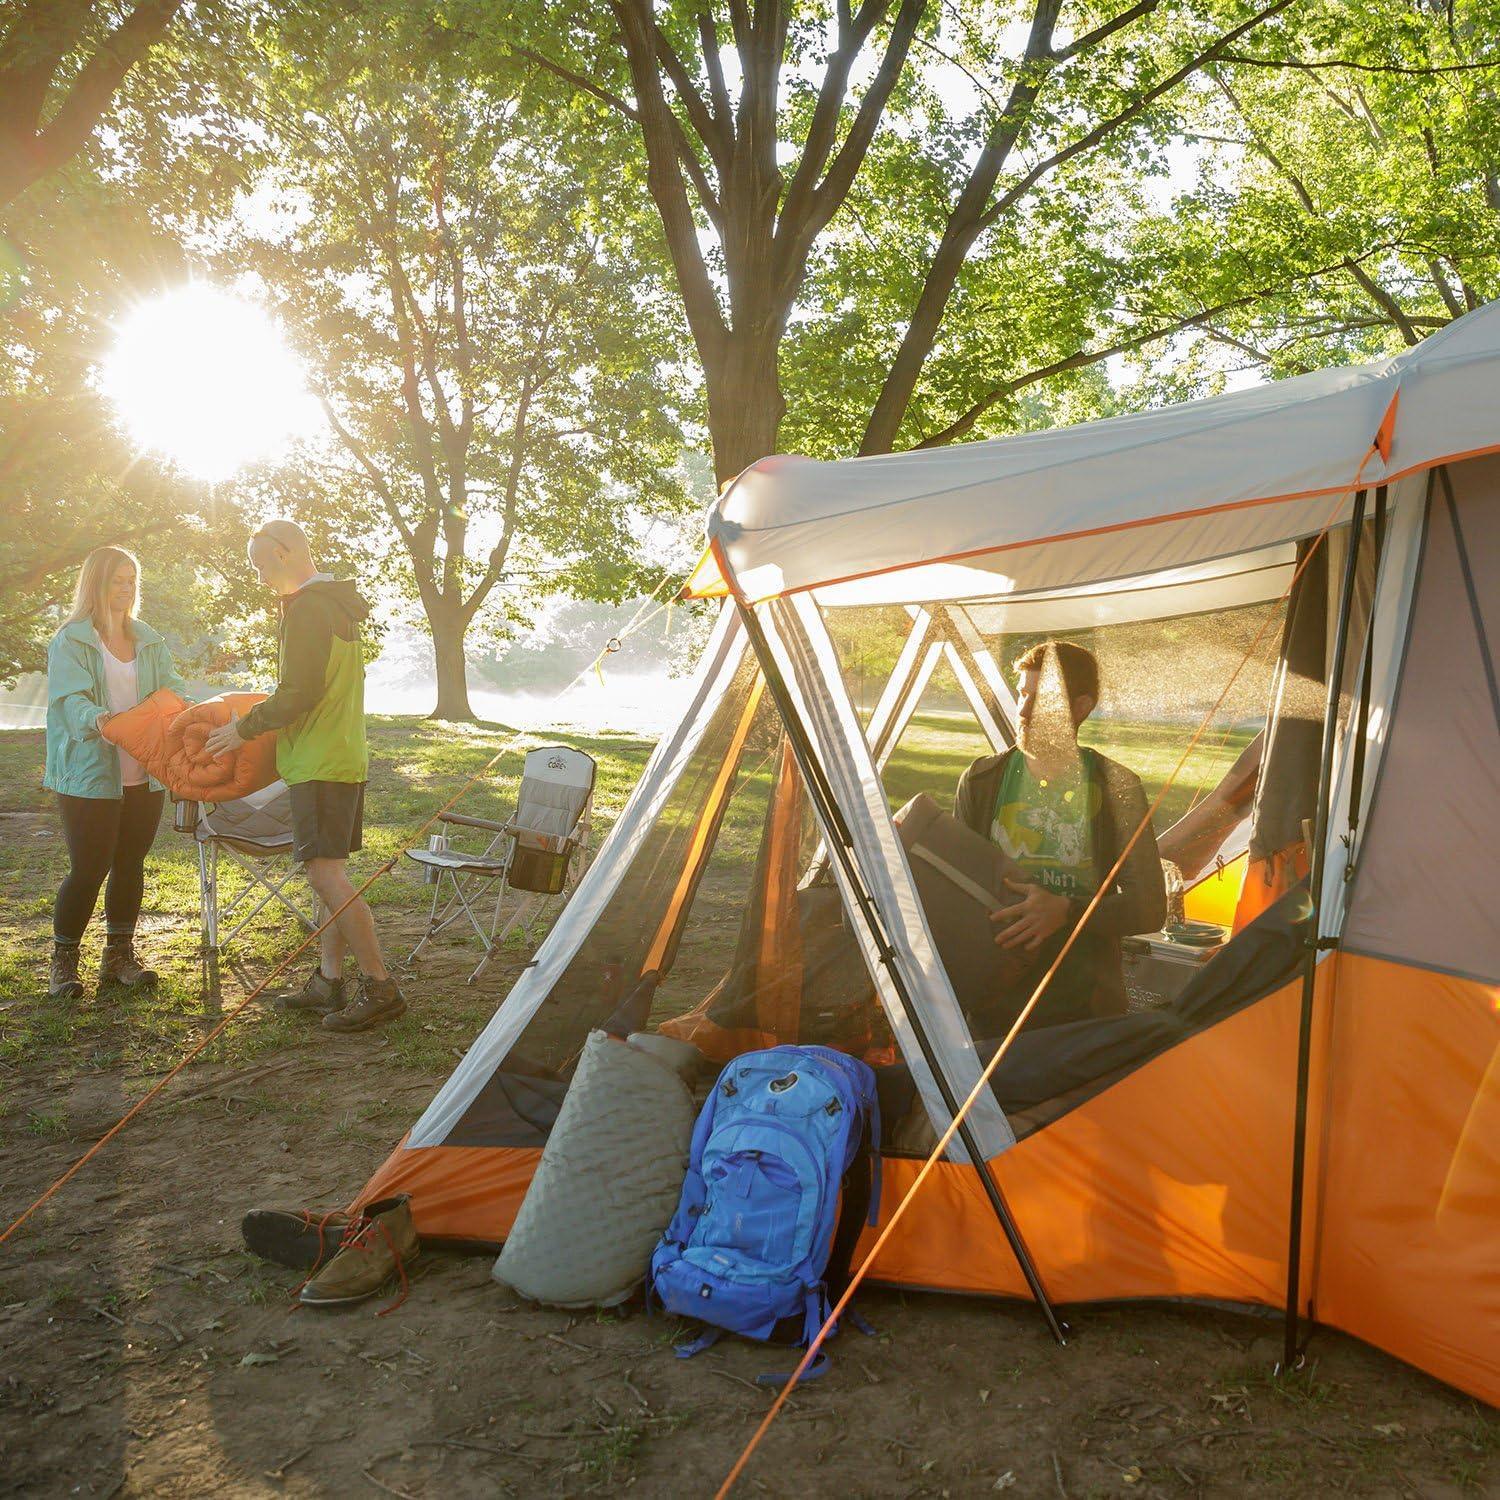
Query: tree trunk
point(448, 632)
point(745, 406)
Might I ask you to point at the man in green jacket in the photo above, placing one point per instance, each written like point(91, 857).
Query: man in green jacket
point(1064, 813)
point(318, 714)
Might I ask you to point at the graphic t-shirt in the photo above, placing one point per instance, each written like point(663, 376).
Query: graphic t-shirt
point(1045, 824)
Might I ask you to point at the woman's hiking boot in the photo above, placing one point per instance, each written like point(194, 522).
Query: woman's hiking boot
point(120, 966)
point(293, 1237)
point(320, 995)
point(63, 982)
point(377, 1247)
point(376, 1002)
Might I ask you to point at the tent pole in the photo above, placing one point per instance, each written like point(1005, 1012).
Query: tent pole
point(1316, 866)
point(842, 842)
point(959, 641)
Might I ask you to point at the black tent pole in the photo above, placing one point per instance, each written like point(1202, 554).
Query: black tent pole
point(841, 842)
point(1316, 864)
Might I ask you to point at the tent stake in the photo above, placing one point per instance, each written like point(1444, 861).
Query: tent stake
point(841, 843)
point(1316, 866)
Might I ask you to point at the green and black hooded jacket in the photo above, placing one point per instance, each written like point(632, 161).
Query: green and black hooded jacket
point(319, 702)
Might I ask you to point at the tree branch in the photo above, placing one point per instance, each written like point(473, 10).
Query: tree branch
point(23, 162)
point(1105, 128)
point(1084, 357)
point(1107, 29)
point(718, 94)
point(822, 129)
point(715, 137)
point(361, 455)
point(578, 80)
point(686, 155)
point(1246, 60)
point(668, 190)
point(959, 233)
point(964, 424)
point(835, 186)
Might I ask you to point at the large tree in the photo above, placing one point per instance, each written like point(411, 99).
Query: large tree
point(460, 269)
point(965, 136)
point(1367, 144)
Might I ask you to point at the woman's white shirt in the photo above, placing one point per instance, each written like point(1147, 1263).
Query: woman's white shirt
point(121, 691)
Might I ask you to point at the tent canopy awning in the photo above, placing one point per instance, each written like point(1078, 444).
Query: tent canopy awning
point(1119, 499)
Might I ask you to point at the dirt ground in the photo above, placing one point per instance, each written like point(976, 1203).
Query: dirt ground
point(146, 1354)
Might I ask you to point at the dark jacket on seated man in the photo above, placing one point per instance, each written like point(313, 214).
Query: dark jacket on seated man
point(1091, 980)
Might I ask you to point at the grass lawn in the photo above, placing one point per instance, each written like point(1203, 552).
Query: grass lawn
point(151, 1355)
point(415, 765)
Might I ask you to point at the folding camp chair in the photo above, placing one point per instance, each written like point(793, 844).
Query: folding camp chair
point(254, 834)
point(540, 850)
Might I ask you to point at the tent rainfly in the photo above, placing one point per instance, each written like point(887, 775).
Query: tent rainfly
point(1313, 1124)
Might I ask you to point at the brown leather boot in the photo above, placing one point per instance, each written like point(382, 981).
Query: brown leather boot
point(63, 982)
point(319, 995)
point(120, 966)
point(293, 1236)
point(376, 1002)
point(378, 1245)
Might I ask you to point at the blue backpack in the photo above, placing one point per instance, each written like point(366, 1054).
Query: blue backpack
point(752, 1243)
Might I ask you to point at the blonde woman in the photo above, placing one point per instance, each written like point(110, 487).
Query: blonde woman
point(100, 663)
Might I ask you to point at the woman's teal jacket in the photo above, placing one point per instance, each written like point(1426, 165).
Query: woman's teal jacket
point(80, 762)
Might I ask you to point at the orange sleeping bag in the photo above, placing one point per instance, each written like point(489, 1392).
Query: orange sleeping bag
point(166, 735)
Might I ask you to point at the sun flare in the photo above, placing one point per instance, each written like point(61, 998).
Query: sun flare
point(204, 378)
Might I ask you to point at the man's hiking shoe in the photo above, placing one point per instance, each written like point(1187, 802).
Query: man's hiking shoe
point(120, 966)
point(378, 1245)
point(320, 995)
point(293, 1237)
point(63, 982)
point(377, 1001)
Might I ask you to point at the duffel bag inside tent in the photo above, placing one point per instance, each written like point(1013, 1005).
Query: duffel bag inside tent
point(1311, 1124)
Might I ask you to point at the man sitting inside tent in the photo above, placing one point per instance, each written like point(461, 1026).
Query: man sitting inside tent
point(1063, 813)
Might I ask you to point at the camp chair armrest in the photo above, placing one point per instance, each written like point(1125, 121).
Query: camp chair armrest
point(489, 825)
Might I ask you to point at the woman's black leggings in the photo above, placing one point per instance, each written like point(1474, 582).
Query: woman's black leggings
point(107, 837)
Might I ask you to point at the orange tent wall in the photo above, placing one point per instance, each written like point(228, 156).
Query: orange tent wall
point(1173, 1182)
point(457, 1192)
point(1410, 1206)
point(1170, 1183)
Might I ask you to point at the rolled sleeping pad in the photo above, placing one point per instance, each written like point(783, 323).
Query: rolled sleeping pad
point(608, 1181)
point(684, 1059)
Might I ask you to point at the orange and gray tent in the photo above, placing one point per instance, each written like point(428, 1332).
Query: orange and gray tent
point(1312, 1126)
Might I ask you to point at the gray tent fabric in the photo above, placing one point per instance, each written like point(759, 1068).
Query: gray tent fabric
point(608, 1181)
point(1425, 876)
point(1287, 790)
point(1286, 793)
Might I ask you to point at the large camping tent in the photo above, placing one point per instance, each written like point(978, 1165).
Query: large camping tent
point(755, 888)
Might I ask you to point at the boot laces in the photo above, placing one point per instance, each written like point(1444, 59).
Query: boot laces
point(359, 1234)
point(320, 1226)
